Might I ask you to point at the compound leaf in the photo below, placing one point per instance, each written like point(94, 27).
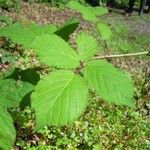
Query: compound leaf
point(7, 130)
point(25, 34)
point(86, 45)
point(54, 51)
point(110, 83)
point(67, 28)
point(59, 98)
point(12, 92)
point(104, 31)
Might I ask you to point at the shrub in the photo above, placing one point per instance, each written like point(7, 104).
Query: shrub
point(61, 95)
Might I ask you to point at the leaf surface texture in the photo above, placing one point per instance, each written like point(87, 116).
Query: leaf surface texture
point(104, 31)
point(54, 51)
point(59, 98)
point(25, 34)
point(86, 46)
point(7, 130)
point(110, 83)
point(12, 92)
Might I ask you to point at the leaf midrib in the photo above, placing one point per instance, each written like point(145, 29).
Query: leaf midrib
point(114, 85)
point(60, 94)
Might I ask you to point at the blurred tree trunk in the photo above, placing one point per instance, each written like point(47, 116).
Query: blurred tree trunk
point(93, 2)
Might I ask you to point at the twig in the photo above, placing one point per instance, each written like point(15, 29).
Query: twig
point(3, 66)
point(122, 55)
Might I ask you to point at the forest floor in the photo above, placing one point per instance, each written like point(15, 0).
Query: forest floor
point(103, 126)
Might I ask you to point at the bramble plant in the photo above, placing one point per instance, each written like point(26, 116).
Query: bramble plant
point(61, 96)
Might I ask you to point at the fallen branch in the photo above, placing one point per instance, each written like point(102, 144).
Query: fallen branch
point(122, 55)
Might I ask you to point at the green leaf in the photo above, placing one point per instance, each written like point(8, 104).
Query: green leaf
point(87, 12)
point(30, 76)
point(6, 19)
point(67, 28)
point(24, 88)
point(24, 35)
point(7, 56)
point(88, 15)
point(76, 6)
point(7, 130)
point(110, 83)
point(59, 98)
point(41, 29)
point(99, 11)
point(86, 46)
point(54, 51)
point(12, 92)
point(17, 34)
point(104, 31)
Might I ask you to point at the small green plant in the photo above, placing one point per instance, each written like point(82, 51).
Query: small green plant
point(6, 20)
point(7, 4)
point(61, 95)
point(88, 13)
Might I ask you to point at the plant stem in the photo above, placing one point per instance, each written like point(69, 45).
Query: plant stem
point(107, 50)
point(122, 55)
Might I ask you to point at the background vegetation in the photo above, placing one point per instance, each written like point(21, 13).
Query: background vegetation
point(60, 3)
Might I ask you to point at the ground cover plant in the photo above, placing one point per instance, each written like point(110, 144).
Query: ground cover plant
point(125, 40)
point(54, 85)
point(8, 4)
